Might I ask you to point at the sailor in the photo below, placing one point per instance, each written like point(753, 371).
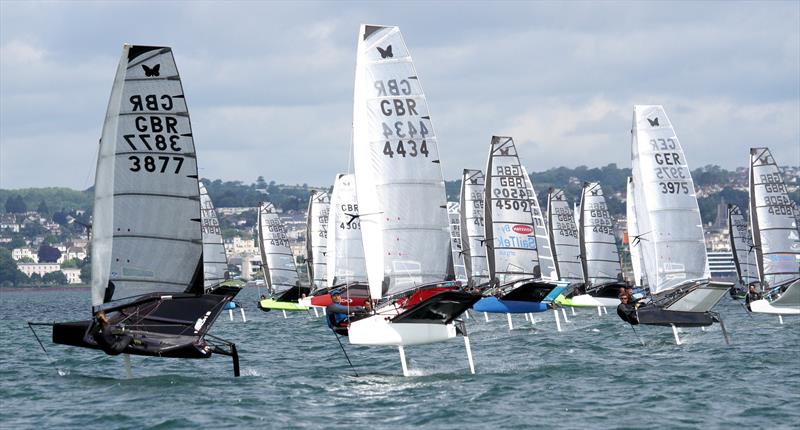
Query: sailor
point(627, 311)
point(336, 312)
point(752, 295)
point(111, 342)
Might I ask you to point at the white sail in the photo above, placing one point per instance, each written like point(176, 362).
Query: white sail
point(775, 229)
point(456, 251)
point(345, 255)
point(509, 230)
point(634, 241)
point(667, 214)
point(401, 192)
point(601, 263)
point(742, 248)
point(472, 225)
point(215, 262)
point(563, 232)
point(546, 261)
point(146, 224)
point(277, 260)
point(317, 238)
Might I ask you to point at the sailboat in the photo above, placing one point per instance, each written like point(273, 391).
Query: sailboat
point(316, 244)
point(277, 264)
point(775, 237)
point(215, 262)
point(402, 202)
point(563, 232)
point(602, 270)
point(517, 285)
point(743, 250)
point(347, 272)
point(670, 229)
point(456, 269)
point(472, 239)
point(147, 290)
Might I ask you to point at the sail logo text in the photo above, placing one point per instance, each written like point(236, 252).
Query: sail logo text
point(522, 229)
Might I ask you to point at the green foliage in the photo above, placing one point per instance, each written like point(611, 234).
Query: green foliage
point(56, 197)
point(9, 273)
point(86, 273)
point(48, 254)
point(55, 278)
point(15, 204)
point(25, 260)
point(43, 208)
point(72, 263)
point(17, 241)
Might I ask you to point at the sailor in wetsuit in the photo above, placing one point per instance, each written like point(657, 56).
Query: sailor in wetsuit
point(626, 310)
point(752, 295)
point(110, 342)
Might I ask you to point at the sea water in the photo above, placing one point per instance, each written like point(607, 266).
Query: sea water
point(594, 374)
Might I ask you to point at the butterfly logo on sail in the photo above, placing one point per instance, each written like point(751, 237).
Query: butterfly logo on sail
point(385, 52)
point(653, 122)
point(504, 151)
point(151, 72)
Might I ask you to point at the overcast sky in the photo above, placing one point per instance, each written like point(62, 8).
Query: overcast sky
point(270, 84)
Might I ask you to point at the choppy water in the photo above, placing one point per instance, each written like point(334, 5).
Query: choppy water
point(594, 374)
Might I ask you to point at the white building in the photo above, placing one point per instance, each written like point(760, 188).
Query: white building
point(20, 253)
point(73, 275)
point(39, 268)
point(251, 264)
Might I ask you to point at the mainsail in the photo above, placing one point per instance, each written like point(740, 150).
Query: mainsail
point(634, 239)
point(146, 227)
point(742, 246)
point(601, 264)
point(563, 234)
point(472, 240)
point(546, 261)
point(345, 255)
point(401, 192)
point(456, 251)
point(667, 214)
point(509, 231)
point(775, 229)
point(277, 260)
point(215, 262)
point(317, 237)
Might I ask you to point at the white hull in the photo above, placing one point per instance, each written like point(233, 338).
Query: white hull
point(585, 300)
point(764, 307)
point(377, 330)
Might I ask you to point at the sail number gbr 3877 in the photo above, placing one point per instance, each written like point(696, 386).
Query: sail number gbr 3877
point(156, 135)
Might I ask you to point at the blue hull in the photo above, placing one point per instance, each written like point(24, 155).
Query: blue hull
point(495, 305)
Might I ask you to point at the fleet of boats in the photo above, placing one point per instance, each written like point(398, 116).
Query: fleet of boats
point(390, 260)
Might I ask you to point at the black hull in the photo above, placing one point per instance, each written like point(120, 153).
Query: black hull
point(160, 325)
point(532, 291)
point(654, 315)
point(441, 308)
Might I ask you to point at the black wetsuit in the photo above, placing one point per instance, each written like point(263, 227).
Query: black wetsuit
point(110, 343)
point(627, 312)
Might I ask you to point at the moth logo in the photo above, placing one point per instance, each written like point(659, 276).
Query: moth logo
point(385, 53)
point(504, 151)
point(595, 192)
point(522, 229)
point(151, 72)
point(473, 182)
point(653, 122)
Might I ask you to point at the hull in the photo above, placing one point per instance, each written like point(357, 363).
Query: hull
point(764, 307)
point(689, 307)
point(377, 330)
point(701, 298)
point(789, 297)
point(495, 305)
point(272, 304)
point(589, 301)
point(654, 315)
point(159, 325)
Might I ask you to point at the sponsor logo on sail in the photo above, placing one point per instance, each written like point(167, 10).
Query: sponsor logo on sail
point(522, 229)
